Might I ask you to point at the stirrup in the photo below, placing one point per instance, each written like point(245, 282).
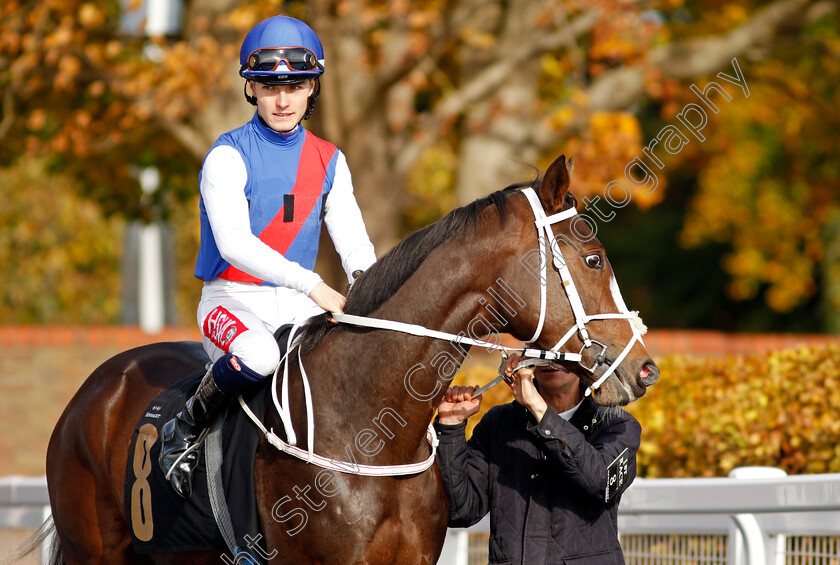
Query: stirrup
point(181, 472)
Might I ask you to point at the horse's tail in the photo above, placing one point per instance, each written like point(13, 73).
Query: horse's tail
point(45, 539)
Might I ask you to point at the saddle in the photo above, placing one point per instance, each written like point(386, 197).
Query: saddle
point(221, 513)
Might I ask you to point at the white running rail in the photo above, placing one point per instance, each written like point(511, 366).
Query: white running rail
point(758, 516)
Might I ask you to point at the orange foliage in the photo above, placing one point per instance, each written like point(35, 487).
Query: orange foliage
point(707, 416)
point(60, 256)
point(767, 187)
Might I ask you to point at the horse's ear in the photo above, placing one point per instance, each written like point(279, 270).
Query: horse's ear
point(555, 184)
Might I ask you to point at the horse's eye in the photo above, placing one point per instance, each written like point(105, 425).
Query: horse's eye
point(593, 261)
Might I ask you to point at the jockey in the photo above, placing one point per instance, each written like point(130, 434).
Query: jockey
point(265, 189)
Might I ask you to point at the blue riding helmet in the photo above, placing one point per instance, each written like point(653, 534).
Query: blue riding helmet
point(281, 50)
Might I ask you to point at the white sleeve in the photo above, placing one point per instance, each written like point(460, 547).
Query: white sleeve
point(222, 187)
point(345, 224)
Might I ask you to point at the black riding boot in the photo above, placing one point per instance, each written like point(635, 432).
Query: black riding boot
point(182, 435)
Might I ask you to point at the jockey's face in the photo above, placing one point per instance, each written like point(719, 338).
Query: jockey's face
point(282, 106)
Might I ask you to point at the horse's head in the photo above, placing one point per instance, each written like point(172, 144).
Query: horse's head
point(571, 298)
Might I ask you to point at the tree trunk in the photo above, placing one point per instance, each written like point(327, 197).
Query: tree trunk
point(495, 147)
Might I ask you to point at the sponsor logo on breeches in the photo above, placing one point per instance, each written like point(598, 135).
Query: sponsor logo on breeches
point(222, 327)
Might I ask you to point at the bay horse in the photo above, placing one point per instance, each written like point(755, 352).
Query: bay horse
point(469, 273)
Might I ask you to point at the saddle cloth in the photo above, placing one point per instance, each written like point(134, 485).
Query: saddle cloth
point(159, 519)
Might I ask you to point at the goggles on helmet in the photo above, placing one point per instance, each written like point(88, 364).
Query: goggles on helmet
point(267, 59)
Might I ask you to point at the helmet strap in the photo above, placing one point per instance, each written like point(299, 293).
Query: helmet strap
point(313, 99)
point(252, 100)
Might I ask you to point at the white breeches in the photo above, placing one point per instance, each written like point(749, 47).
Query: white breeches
point(258, 311)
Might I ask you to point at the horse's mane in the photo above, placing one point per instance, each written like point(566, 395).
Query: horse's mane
point(388, 274)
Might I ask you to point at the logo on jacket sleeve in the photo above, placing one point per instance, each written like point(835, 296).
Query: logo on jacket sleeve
point(221, 327)
point(617, 474)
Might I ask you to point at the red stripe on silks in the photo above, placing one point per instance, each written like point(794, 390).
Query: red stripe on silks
point(315, 155)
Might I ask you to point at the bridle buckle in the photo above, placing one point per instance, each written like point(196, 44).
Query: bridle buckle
point(600, 358)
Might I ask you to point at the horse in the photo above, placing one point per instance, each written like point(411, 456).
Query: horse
point(475, 272)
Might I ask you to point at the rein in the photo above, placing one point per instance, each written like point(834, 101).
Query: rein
point(531, 357)
point(422, 331)
point(545, 235)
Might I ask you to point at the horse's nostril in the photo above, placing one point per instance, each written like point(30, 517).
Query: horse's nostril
point(649, 373)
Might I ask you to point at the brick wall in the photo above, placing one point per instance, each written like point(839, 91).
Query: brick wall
point(40, 370)
point(717, 344)
point(42, 367)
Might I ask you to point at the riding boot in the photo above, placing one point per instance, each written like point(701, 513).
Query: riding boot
point(183, 435)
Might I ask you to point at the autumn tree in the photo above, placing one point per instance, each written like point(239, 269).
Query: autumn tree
point(63, 274)
point(768, 182)
point(433, 102)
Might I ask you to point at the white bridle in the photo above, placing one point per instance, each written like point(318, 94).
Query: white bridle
point(545, 236)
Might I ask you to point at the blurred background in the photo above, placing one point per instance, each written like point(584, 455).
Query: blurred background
point(108, 107)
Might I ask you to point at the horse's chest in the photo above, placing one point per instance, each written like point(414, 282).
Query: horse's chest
point(372, 520)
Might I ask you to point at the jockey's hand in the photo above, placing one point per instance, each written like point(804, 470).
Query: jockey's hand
point(524, 391)
point(327, 298)
point(458, 404)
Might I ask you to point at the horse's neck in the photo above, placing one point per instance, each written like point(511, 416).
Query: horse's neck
point(440, 301)
point(390, 382)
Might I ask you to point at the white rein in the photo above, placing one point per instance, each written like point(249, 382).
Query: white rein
point(545, 235)
point(309, 454)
